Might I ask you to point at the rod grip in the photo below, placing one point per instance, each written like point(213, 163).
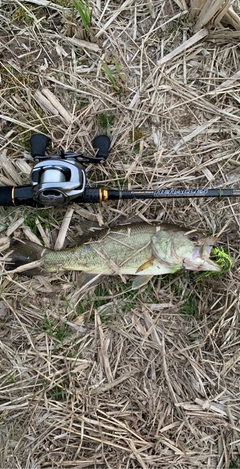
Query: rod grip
point(90, 195)
point(6, 196)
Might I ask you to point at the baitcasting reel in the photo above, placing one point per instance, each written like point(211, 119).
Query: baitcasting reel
point(58, 179)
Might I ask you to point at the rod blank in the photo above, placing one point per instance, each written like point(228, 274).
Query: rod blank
point(22, 195)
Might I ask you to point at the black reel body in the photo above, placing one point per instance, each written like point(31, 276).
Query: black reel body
point(58, 179)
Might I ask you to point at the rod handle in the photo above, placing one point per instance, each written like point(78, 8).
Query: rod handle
point(13, 196)
point(90, 195)
point(7, 196)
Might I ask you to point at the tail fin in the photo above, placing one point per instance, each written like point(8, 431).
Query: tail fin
point(25, 252)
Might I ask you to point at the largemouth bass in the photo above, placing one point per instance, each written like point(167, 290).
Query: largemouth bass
point(139, 249)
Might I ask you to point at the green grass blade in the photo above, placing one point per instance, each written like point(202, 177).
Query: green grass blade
point(84, 11)
point(110, 76)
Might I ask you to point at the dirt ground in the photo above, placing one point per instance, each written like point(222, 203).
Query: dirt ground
point(103, 376)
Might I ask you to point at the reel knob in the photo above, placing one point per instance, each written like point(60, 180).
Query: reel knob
point(38, 144)
point(101, 143)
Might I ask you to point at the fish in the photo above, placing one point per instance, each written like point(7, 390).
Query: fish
point(140, 249)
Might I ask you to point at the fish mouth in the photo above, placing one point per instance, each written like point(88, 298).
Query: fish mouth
point(204, 256)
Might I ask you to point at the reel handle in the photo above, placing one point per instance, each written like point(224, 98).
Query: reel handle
point(102, 144)
point(38, 144)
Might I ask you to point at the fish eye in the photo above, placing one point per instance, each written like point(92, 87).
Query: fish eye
point(193, 237)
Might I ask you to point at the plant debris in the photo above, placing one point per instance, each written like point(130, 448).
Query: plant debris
point(98, 376)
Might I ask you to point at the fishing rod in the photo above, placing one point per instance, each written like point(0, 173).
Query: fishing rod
point(60, 178)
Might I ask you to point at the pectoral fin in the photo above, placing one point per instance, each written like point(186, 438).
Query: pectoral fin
point(145, 265)
point(140, 280)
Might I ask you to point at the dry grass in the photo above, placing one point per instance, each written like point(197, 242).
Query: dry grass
point(108, 378)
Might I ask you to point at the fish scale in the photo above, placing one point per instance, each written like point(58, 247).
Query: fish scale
point(126, 248)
